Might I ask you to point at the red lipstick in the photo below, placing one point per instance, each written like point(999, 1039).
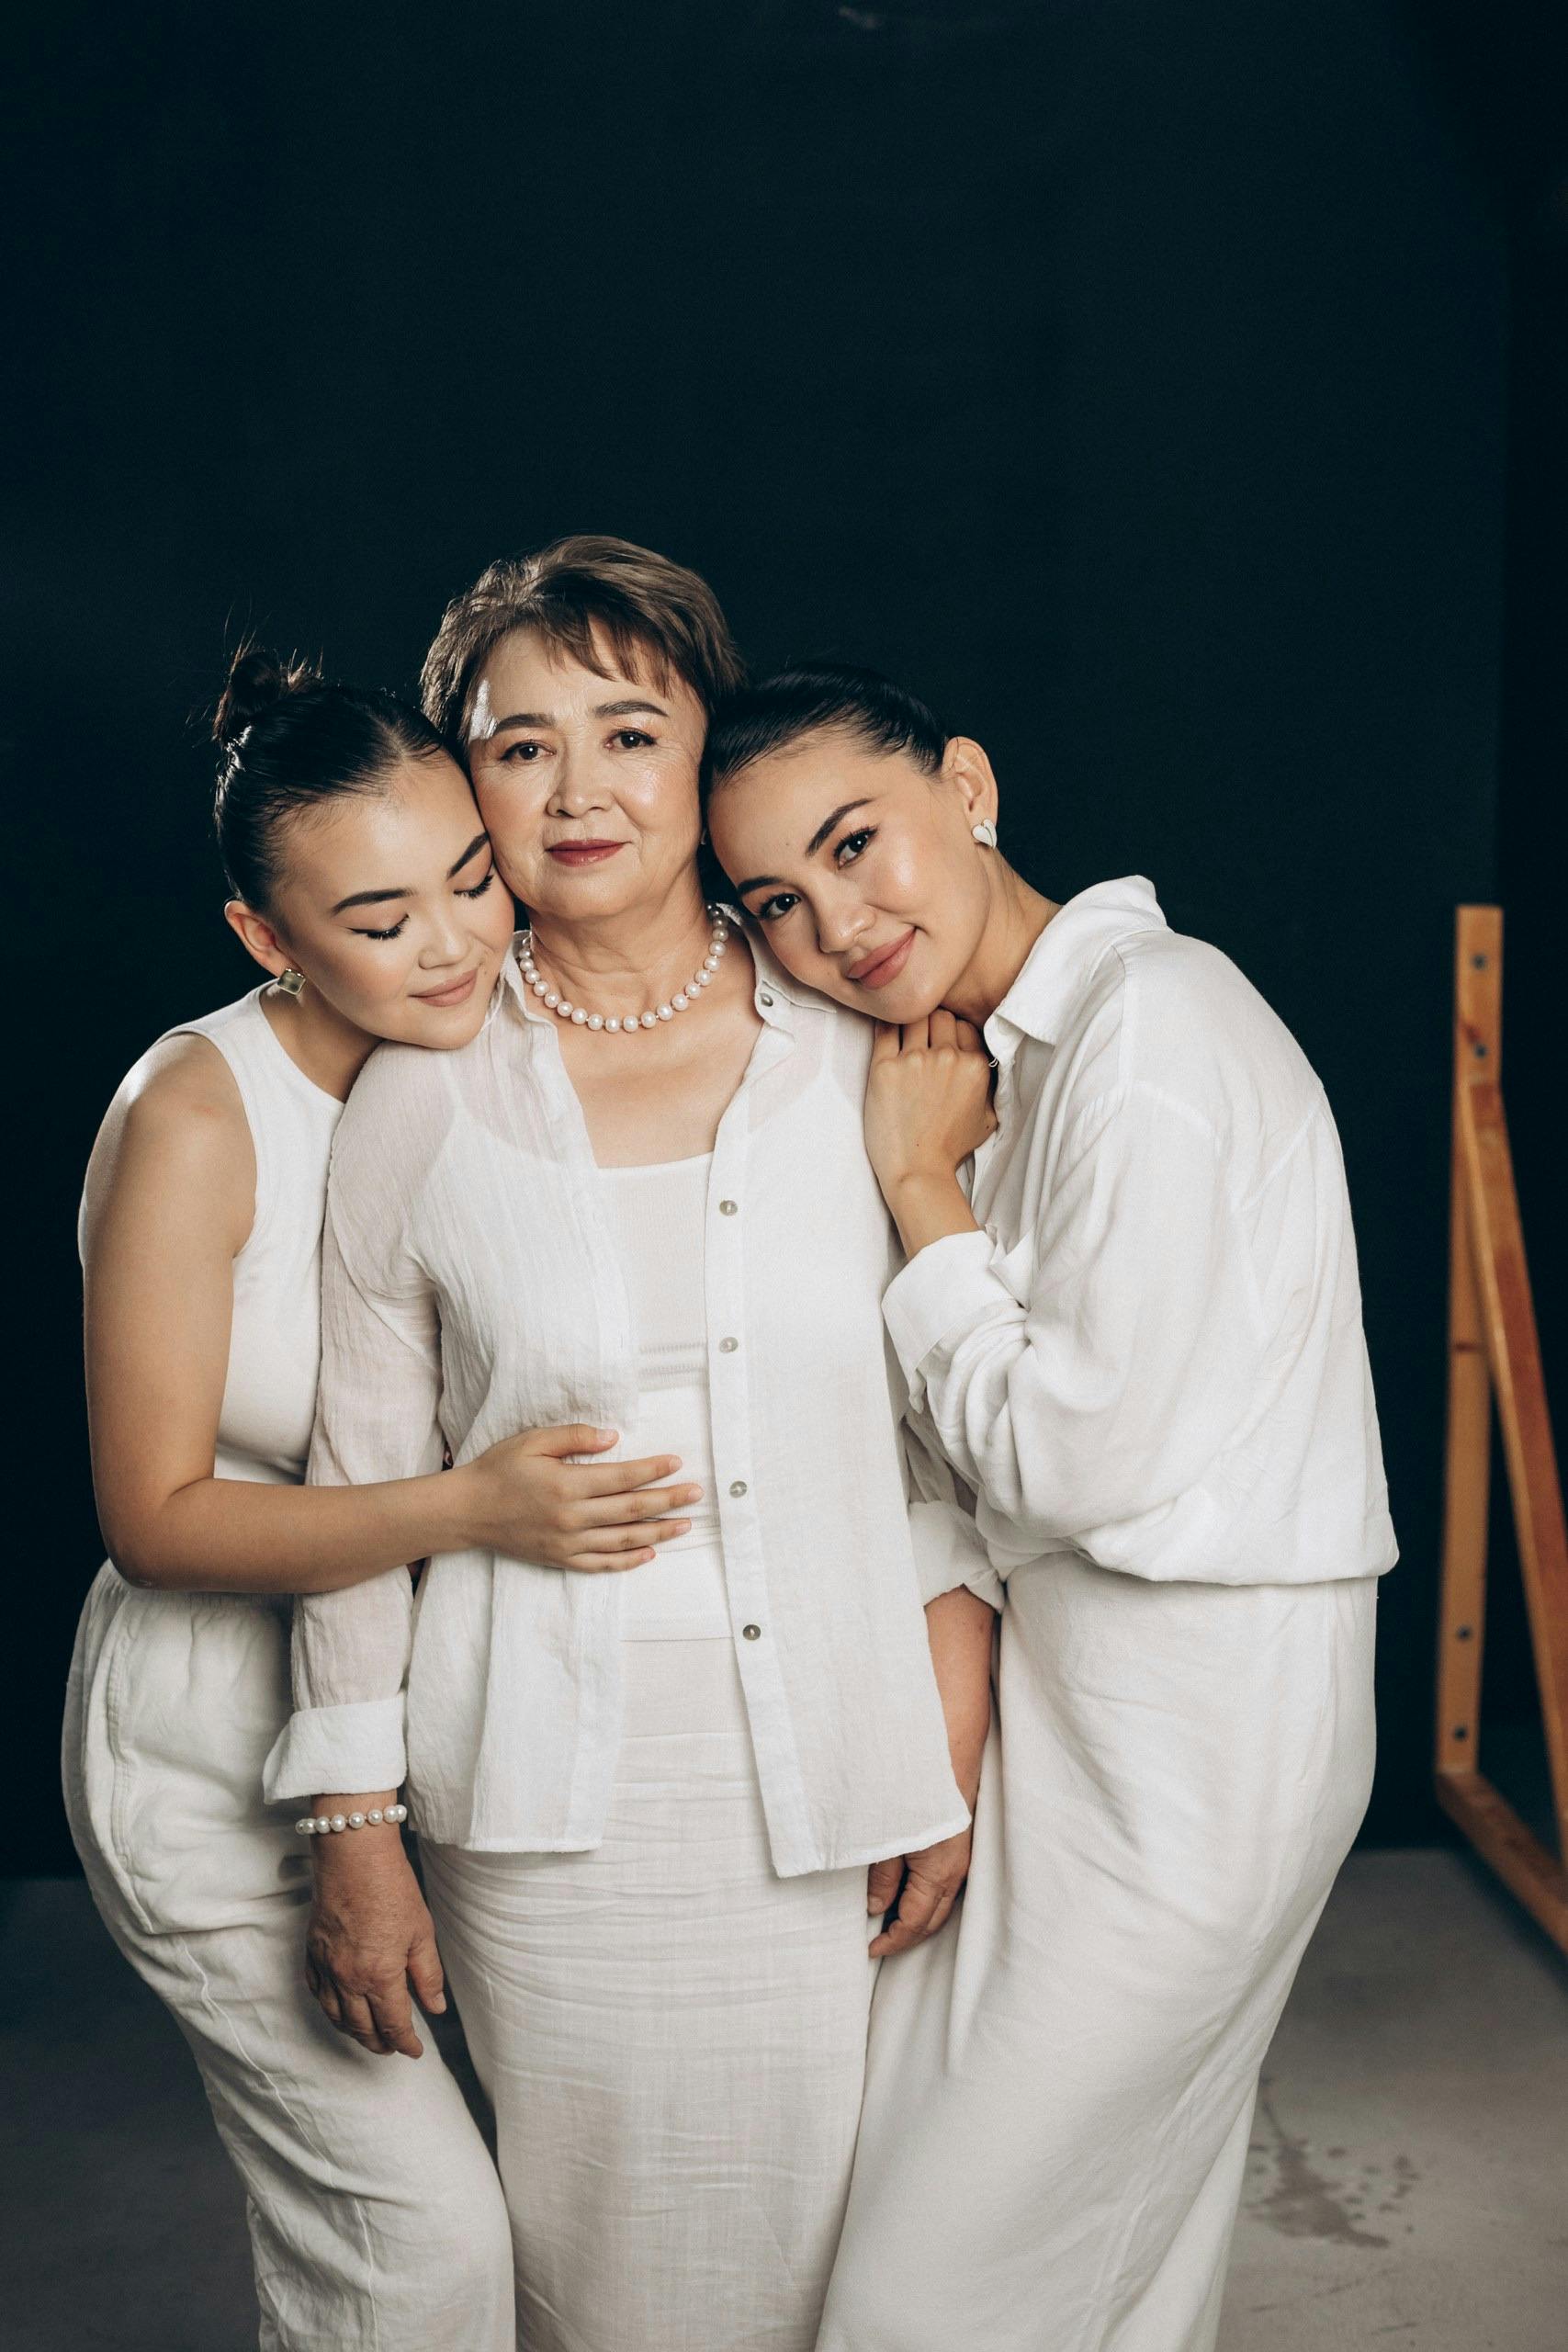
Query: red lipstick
point(585, 853)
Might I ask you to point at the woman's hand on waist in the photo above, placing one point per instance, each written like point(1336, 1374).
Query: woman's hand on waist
point(526, 1499)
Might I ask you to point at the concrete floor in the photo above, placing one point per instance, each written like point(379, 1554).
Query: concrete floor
point(1409, 2182)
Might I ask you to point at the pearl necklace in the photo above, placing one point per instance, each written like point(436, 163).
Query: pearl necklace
point(632, 1022)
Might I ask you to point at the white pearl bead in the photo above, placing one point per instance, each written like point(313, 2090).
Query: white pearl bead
point(538, 986)
point(551, 998)
point(710, 963)
point(611, 1024)
point(563, 1009)
point(666, 1012)
point(579, 1017)
point(701, 979)
point(374, 1815)
point(679, 1001)
point(357, 1821)
point(595, 1020)
point(651, 1020)
point(305, 1826)
point(339, 1821)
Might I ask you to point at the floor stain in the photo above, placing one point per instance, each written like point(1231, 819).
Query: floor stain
point(1286, 2190)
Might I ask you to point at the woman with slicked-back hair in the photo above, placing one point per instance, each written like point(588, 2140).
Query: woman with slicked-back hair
point(655, 1810)
point(364, 885)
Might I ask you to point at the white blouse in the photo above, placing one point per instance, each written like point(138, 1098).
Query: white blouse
point(471, 1288)
point(1152, 1356)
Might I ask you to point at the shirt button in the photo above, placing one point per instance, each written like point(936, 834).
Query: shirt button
point(728, 1347)
point(738, 1488)
point(753, 1633)
point(764, 997)
point(727, 1209)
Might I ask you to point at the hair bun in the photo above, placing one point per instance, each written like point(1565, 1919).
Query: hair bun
point(256, 679)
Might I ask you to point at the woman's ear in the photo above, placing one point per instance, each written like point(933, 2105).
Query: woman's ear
point(970, 770)
point(257, 937)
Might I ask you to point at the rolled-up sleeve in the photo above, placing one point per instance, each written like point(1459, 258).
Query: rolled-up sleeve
point(1089, 1378)
point(377, 1417)
point(949, 1549)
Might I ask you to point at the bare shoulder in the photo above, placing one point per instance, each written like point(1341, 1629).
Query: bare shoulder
point(175, 1136)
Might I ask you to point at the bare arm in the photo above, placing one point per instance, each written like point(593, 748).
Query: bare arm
point(169, 1205)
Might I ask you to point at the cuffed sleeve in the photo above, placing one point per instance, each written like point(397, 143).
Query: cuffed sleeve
point(334, 1750)
point(945, 1288)
point(949, 1548)
point(377, 1417)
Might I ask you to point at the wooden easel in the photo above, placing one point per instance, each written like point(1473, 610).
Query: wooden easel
point(1494, 1352)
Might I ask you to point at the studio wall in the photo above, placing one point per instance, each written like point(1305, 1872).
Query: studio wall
point(1129, 380)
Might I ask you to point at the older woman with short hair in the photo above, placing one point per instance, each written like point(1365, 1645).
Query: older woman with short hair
point(648, 1801)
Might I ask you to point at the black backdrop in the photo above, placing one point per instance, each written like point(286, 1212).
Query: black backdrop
point(1129, 378)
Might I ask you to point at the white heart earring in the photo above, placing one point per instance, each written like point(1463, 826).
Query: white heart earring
point(985, 832)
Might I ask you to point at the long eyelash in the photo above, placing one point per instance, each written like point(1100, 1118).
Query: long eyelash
point(865, 834)
point(479, 887)
point(383, 934)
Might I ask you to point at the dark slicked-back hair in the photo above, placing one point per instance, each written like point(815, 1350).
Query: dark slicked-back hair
point(290, 741)
point(813, 699)
point(583, 596)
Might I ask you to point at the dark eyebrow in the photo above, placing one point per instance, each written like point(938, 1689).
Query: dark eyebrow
point(812, 846)
point(380, 897)
point(477, 842)
point(600, 710)
point(825, 827)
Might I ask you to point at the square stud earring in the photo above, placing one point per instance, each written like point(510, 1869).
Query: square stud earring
point(985, 832)
point(291, 982)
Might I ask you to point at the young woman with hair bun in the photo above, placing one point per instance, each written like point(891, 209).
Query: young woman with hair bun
point(364, 886)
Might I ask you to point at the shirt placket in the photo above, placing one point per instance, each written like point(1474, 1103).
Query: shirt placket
point(740, 1458)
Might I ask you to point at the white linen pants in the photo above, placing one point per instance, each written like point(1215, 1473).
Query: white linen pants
point(377, 2220)
point(674, 2039)
point(1060, 2087)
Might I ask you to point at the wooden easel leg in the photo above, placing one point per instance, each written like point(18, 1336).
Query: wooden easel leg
point(1462, 1613)
point(1493, 1352)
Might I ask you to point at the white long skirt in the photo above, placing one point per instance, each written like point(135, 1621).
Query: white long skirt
point(674, 2039)
point(1060, 2087)
point(376, 2221)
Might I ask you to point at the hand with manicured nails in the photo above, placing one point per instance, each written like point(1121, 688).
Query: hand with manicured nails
point(370, 1936)
point(529, 1501)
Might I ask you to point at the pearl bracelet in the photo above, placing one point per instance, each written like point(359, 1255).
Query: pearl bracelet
point(318, 1824)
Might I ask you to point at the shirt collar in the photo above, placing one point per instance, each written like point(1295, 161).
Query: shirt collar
point(1057, 970)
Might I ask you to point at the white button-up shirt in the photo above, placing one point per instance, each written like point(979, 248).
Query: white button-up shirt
point(471, 1289)
point(1152, 1356)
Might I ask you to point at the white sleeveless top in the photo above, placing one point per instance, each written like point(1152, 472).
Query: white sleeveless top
point(657, 1215)
point(269, 1397)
